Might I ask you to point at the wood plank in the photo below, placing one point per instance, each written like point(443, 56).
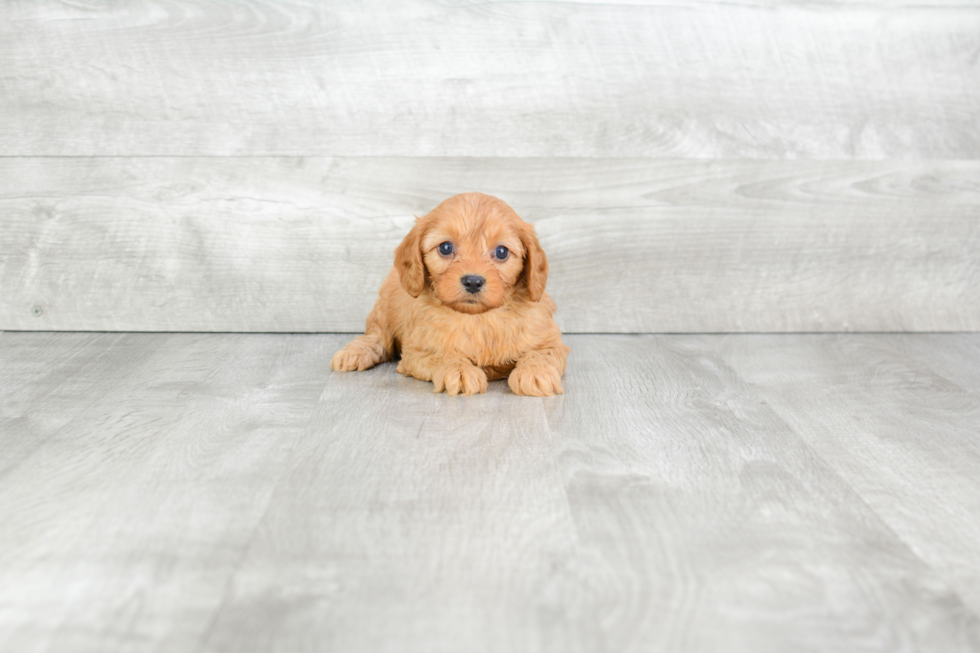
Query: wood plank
point(953, 357)
point(302, 244)
point(48, 380)
point(120, 532)
point(409, 521)
point(905, 436)
point(756, 79)
point(227, 492)
point(706, 523)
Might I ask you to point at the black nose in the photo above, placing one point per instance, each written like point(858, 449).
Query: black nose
point(472, 283)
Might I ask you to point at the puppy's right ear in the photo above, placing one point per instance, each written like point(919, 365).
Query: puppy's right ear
point(408, 259)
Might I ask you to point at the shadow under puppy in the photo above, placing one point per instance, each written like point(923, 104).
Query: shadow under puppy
point(465, 304)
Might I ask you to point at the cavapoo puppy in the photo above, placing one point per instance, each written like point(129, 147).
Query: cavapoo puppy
point(465, 304)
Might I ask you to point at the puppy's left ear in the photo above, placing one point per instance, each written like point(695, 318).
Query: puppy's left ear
point(535, 263)
point(408, 259)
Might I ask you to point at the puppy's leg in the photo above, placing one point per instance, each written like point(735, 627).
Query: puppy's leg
point(538, 372)
point(364, 352)
point(454, 377)
point(361, 353)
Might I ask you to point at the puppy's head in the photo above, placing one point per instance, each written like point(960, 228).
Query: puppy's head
point(473, 251)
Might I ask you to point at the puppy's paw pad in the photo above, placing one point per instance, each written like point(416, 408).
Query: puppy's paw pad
point(460, 380)
point(357, 356)
point(535, 381)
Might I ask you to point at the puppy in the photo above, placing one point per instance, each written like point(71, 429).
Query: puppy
point(465, 304)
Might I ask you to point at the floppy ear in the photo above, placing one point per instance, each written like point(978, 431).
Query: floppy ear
point(408, 259)
point(535, 263)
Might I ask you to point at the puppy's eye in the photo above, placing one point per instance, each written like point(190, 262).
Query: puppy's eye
point(446, 248)
point(501, 253)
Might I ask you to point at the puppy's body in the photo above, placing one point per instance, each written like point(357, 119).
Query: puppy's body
point(469, 316)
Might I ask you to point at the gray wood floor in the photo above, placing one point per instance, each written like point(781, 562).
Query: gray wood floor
point(208, 492)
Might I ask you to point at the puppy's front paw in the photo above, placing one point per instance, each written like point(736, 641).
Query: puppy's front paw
point(460, 379)
point(539, 380)
point(359, 354)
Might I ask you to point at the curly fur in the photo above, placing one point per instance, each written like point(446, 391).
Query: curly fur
point(454, 338)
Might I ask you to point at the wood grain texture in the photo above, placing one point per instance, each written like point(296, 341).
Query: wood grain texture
point(411, 521)
point(302, 244)
point(55, 371)
point(756, 79)
point(916, 463)
point(706, 523)
point(152, 465)
point(215, 492)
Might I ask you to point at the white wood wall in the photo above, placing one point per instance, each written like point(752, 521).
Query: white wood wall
point(691, 166)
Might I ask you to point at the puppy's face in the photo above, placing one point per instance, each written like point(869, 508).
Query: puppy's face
point(472, 250)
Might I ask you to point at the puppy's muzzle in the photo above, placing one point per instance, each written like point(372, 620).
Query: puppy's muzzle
point(472, 283)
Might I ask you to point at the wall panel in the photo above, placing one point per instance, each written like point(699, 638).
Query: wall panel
point(302, 244)
point(755, 79)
